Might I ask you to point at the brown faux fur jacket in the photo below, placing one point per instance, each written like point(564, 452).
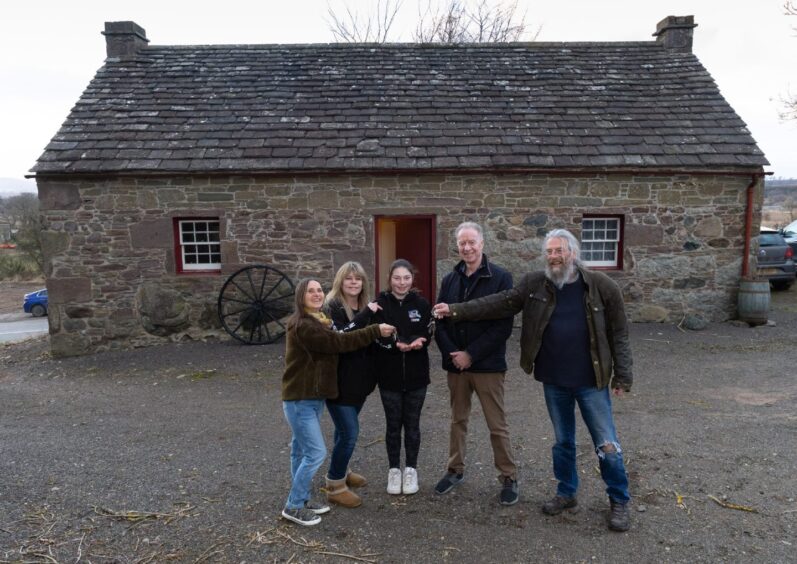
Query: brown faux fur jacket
point(311, 358)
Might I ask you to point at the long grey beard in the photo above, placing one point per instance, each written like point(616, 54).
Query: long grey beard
point(563, 277)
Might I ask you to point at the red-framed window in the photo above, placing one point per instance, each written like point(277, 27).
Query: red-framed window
point(197, 244)
point(602, 241)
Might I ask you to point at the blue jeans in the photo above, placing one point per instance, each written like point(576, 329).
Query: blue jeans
point(308, 450)
point(347, 429)
point(596, 411)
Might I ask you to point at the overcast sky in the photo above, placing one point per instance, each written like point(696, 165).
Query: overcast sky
point(50, 50)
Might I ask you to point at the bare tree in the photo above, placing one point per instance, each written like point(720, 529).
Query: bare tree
point(19, 209)
point(372, 27)
point(459, 21)
point(22, 213)
point(790, 101)
point(440, 21)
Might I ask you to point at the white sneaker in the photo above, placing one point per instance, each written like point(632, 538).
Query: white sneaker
point(394, 481)
point(410, 485)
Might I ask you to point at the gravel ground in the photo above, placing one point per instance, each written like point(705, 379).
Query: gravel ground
point(180, 453)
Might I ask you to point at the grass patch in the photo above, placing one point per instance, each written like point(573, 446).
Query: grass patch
point(18, 267)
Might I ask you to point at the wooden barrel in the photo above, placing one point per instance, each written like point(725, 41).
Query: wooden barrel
point(753, 302)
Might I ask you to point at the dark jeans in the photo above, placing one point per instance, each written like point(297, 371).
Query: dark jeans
point(403, 410)
point(596, 411)
point(347, 429)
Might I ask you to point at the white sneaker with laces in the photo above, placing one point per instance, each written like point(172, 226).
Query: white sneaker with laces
point(394, 481)
point(410, 484)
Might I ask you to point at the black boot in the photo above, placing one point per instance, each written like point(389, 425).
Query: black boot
point(557, 504)
point(619, 516)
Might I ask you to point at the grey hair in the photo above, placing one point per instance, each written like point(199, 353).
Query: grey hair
point(570, 239)
point(469, 225)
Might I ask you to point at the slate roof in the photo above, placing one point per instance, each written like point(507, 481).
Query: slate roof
point(401, 107)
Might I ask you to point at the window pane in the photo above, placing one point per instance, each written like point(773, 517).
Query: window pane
point(200, 244)
point(600, 237)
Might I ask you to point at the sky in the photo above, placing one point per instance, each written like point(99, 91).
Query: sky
point(51, 49)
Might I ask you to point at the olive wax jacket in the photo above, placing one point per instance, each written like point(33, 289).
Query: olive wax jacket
point(535, 296)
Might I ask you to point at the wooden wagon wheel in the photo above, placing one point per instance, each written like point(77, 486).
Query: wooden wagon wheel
point(254, 304)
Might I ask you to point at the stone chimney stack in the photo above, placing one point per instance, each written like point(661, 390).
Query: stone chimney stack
point(675, 33)
point(123, 40)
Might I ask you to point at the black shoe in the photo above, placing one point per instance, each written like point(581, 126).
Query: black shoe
point(557, 504)
point(619, 516)
point(447, 482)
point(509, 495)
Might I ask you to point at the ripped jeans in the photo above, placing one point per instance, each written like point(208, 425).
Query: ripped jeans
point(596, 411)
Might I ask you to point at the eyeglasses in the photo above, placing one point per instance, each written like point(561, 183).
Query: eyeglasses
point(557, 252)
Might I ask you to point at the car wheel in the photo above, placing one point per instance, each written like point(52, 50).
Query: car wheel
point(781, 285)
point(38, 310)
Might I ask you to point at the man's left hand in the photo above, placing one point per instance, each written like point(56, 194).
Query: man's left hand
point(619, 392)
point(461, 359)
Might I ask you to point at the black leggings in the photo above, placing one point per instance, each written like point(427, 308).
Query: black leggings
point(403, 409)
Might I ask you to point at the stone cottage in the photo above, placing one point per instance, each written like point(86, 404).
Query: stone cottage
point(181, 164)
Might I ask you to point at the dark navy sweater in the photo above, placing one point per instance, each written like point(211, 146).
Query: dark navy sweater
point(564, 358)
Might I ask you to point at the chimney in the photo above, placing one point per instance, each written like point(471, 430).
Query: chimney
point(123, 40)
point(675, 33)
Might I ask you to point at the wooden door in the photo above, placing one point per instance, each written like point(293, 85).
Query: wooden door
point(412, 238)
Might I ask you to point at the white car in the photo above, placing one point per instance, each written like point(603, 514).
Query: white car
point(790, 228)
point(790, 234)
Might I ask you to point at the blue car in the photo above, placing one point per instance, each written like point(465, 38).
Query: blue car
point(35, 303)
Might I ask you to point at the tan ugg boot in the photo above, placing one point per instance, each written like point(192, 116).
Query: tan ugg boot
point(338, 492)
point(355, 480)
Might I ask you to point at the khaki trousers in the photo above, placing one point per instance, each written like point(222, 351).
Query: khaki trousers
point(489, 387)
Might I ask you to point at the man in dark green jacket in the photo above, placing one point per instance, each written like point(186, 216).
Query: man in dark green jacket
point(575, 339)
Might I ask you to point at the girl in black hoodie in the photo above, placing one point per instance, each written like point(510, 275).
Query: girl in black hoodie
point(402, 367)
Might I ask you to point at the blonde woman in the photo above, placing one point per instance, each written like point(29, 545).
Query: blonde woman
point(348, 306)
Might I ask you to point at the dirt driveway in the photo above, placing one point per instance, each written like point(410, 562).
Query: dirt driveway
point(180, 453)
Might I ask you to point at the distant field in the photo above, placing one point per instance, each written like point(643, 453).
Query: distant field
point(777, 217)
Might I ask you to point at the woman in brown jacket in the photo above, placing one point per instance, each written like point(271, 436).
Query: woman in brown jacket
point(311, 363)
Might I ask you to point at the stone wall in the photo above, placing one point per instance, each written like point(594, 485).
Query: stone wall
point(109, 243)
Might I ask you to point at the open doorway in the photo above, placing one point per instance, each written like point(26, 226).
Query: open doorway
point(411, 237)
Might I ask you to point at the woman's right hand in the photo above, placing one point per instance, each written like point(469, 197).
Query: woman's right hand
point(386, 330)
point(374, 307)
